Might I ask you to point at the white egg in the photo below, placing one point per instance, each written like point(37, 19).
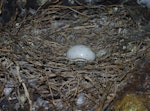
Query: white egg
point(80, 53)
point(145, 3)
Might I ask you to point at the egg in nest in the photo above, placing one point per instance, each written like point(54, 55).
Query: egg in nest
point(80, 54)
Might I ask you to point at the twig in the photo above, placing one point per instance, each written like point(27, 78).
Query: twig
point(25, 88)
point(59, 6)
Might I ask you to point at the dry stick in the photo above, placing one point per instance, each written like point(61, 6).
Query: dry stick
point(25, 88)
point(50, 88)
point(77, 89)
point(59, 6)
point(5, 50)
point(104, 98)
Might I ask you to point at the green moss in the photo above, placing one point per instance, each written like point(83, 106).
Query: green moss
point(131, 102)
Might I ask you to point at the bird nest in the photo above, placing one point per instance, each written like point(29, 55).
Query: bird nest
point(35, 71)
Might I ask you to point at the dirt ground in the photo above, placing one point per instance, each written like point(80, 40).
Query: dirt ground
point(36, 75)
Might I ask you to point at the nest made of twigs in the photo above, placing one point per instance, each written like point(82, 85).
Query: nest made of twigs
point(33, 57)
